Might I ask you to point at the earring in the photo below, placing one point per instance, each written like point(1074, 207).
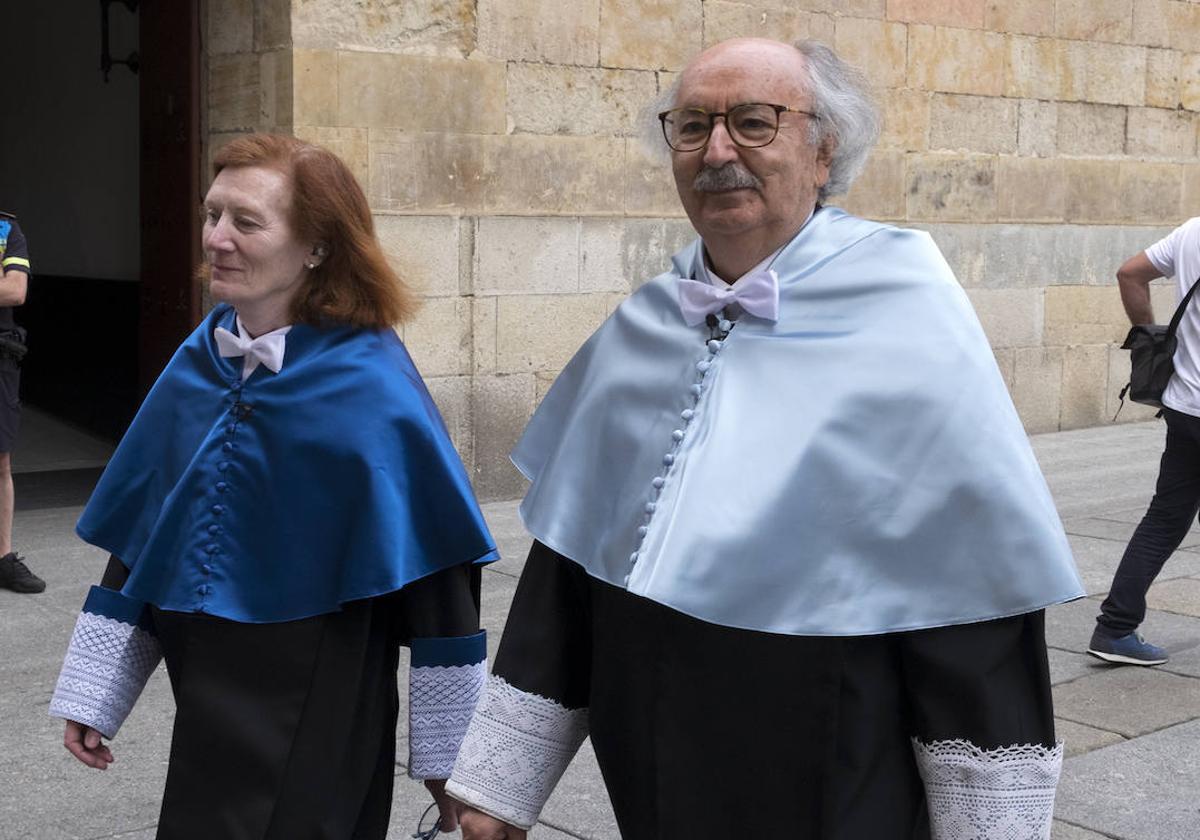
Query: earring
point(310, 266)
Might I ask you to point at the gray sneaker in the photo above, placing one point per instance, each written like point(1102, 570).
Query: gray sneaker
point(1130, 649)
point(15, 575)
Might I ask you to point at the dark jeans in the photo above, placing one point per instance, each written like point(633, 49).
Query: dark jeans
point(1167, 521)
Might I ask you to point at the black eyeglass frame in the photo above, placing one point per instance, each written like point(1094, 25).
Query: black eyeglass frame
point(712, 121)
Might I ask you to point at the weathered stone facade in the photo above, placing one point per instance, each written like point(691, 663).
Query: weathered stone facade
point(1041, 142)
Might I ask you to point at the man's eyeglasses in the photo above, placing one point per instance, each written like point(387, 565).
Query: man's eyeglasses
point(750, 125)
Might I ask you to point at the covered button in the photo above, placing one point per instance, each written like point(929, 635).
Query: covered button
point(696, 389)
point(650, 507)
point(668, 459)
point(677, 435)
point(687, 414)
point(714, 346)
point(724, 325)
point(703, 366)
point(642, 530)
point(658, 482)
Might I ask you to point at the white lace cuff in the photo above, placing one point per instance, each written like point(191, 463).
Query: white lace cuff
point(977, 794)
point(516, 749)
point(107, 664)
point(441, 701)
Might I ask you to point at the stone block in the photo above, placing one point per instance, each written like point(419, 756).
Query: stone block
point(1129, 701)
point(967, 14)
point(943, 187)
point(1089, 255)
point(416, 93)
point(542, 332)
point(1079, 739)
point(424, 251)
point(556, 175)
point(905, 120)
point(275, 89)
point(879, 48)
point(522, 255)
point(233, 92)
point(439, 337)
point(1152, 23)
point(213, 143)
point(1180, 596)
point(430, 27)
point(1158, 132)
point(439, 172)
point(1010, 317)
point(750, 19)
point(1030, 189)
point(547, 31)
point(230, 27)
point(647, 246)
point(878, 192)
point(1153, 191)
point(1185, 25)
point(648, 182)
point(1037, 129)
point(315, 75)
point(543, 381)
point(1091, 71)
point(1094, 192)
point(1190, 202)
point(1084, 399)
point(650, 34)
point(1084, 315)
point(1032, 69)
point(973, 123)
point(956, 60)
point(848, 8)
point(1086, 129)
point(998, 256)
point(549, 99)
point(1037, 380)
point(452, 396)
point(349, 144)
point(483, 320)
point(1006, 361)
point(1189, 81)
point(272, 24)
point(1094, 20)
point(1024, 17)
point(501, 407)
point(601, 268)
point(1162, 78)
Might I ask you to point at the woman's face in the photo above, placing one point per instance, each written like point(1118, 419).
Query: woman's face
point(256, 259)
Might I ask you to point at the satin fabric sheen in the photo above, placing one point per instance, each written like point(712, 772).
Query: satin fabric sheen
point(340, 484)
point(856, 467)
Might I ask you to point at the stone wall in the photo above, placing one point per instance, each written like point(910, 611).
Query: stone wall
point(1041, 142)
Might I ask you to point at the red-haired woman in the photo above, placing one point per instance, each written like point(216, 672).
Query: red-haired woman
point(285, 511)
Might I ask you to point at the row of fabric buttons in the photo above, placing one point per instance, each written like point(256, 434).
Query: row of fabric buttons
point(677, 435)
point(240, 411)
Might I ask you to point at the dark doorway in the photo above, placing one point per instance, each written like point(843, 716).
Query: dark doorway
point(104, 176)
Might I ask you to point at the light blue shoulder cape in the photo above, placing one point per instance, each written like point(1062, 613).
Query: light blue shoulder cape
point(287, 495)
point(855, 468)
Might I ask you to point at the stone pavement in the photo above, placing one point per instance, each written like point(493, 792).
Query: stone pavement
point(1132, 735)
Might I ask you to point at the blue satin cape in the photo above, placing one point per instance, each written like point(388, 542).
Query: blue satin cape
point(287, 495)
point(855, 468)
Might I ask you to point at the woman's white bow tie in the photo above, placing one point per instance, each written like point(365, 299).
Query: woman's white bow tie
point(266, 349)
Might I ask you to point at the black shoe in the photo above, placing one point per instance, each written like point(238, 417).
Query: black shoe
point(15, 575)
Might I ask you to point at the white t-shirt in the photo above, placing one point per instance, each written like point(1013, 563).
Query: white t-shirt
point(1178, 255)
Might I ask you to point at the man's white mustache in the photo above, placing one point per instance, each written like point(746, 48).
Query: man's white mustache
point(731, 176)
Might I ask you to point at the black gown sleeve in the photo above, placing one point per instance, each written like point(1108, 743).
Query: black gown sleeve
point(533, 715)
point(983, 725)
point(438, 618)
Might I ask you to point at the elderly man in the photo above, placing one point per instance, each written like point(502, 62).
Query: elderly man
point(791, 545)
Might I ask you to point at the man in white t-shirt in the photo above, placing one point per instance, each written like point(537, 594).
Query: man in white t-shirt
point(1177, 495)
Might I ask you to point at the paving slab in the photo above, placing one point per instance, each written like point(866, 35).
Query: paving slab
point(580, 803)
point(1066, 666)
point(1129, 700)
point(1097, 561)
point(1144, 789)
point(1066, 831)
point(1079, 739)
point(1180, 596)
point(1069, 627)
point(1120, 531)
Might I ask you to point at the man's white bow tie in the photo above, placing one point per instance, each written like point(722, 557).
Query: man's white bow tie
point(266, 349)
point(757, 293)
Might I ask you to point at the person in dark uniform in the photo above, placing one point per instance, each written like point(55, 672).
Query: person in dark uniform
point(285, 511)
point(14, 256)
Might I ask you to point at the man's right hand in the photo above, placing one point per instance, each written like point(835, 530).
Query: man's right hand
point(479, 826)
point(83, 742)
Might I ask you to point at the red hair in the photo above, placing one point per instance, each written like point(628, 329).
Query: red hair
point(354, 284)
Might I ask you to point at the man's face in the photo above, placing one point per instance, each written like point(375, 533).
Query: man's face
point(766, 191)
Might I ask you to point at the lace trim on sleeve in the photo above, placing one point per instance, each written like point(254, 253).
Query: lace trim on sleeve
point(441, 700)
point(1001, 794)
point(516, 749)
point(106, 667)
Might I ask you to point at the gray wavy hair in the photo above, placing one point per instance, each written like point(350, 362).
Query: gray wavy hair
point(842, 101)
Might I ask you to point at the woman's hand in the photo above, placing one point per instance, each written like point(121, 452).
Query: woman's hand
point(83, 742)
point(449, 808)
point(480, 826)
